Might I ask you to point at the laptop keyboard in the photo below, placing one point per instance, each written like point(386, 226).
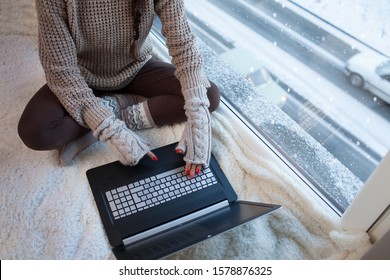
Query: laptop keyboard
point(149, 192)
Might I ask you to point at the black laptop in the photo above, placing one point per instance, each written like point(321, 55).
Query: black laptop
point(153, 209)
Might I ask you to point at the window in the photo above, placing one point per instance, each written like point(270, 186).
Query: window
point(315, 63)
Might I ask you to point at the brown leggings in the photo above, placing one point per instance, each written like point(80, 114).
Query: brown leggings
point(46, 125)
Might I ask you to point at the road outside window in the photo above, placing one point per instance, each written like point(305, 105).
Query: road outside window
point(325, 65)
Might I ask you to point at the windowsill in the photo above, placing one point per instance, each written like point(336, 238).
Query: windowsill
point(248, 132)
point(262, 148)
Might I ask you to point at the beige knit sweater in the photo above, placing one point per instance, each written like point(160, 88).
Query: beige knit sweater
point(87, 44)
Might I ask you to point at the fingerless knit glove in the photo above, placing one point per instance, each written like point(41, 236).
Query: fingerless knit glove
point(128, 147)
point(196, 139)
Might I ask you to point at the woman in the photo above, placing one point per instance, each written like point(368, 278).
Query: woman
point(102, 82)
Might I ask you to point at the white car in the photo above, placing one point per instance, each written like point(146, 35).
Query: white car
point(370, 71)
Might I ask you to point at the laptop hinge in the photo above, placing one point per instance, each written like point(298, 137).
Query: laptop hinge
point(175, 223)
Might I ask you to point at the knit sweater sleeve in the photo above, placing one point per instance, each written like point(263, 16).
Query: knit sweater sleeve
point(59, 59)
point(181, 44)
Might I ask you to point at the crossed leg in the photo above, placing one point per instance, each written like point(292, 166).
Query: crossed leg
point(46, 125)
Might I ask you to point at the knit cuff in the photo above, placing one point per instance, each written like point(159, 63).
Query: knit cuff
point(195, 97)
point(95, 115)
point(192, 79)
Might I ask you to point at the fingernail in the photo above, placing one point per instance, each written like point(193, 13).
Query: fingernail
point(178, 151)
point(187, 172)
point(197, 170)
point(192, 174)
point(155, 158)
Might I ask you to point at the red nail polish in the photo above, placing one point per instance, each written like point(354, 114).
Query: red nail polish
point(155, 158)
point(187, 172)
point(178, 151)
point(197, 170)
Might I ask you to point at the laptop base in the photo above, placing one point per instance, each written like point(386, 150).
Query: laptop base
point(186, 235)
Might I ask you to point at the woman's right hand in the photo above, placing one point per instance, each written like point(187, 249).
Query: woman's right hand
point(127, 146)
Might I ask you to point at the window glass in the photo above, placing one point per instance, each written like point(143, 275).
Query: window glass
point(317, 63)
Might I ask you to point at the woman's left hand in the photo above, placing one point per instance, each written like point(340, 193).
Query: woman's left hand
point(195, 143)
point(191, 169)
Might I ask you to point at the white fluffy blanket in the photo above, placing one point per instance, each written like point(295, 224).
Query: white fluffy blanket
point(48, 212)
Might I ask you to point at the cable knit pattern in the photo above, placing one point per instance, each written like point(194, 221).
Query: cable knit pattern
point(128, 147)
point(88, 44)
point(196, 139)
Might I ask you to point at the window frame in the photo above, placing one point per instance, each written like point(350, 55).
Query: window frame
point(370, 209)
